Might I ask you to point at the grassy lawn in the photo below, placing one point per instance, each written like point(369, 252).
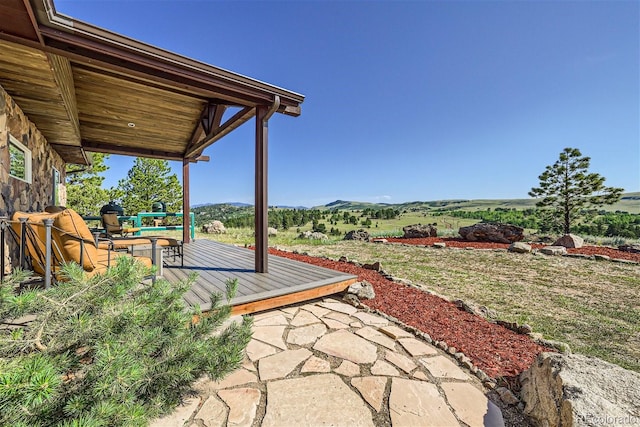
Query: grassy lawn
point(593, 306)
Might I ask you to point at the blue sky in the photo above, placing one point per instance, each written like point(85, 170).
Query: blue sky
point(407, 100)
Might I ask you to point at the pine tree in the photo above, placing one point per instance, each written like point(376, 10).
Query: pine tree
point(567, 189)
point(148, 181)
point(84, 186)
point(111, 350)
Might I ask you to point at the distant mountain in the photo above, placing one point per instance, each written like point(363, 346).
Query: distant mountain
point(289, 207)
point(236, 204)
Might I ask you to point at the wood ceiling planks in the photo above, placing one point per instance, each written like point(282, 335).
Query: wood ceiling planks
point(107, 105)
point(27, 75)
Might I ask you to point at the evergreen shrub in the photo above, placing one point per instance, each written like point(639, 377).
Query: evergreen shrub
point(110, 350)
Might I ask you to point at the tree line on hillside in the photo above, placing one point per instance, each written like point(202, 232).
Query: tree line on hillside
point(283, 219)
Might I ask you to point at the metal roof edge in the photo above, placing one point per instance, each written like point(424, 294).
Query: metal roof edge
point(48, 16)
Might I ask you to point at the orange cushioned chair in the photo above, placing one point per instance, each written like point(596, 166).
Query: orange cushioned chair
point(112, 226)
point(71, 241)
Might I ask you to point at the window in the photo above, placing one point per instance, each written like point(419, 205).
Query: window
point(56, 187)
point(19, 160)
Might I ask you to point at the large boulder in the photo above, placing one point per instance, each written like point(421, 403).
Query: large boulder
point(633, 248)
point(569, 241)
point(420, 231)
point(553, 250)
point(486, 232)
point(313, 235)
point(214, 227)
point(357, 235)
point(575, 390)
point(520, 247)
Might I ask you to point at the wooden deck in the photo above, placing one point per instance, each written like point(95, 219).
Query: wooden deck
point(287, 281)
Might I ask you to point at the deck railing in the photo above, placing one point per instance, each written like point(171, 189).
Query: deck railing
point(137, 221)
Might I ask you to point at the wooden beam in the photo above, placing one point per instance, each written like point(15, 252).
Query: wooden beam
point(63, 75)
point(284, 300)
point(212, 117)
point(149, 65)
point(102, 147)
point(186, 217)
point(261, 190)
point(199, 159)
point(34, 21)
point(232, 123)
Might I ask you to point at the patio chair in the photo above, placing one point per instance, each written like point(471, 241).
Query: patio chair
point(70, 241)
point(112, 226)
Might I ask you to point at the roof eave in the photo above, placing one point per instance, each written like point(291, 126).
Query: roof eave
point(57, 26)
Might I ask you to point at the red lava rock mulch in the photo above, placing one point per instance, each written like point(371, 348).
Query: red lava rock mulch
point(461, 243)
point(498, 351)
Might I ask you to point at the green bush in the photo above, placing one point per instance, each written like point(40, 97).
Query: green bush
point(112, 350)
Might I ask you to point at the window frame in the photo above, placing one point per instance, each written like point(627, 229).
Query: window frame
point(13, 141)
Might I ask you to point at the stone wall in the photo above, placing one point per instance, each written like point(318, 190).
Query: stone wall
point(16, 194)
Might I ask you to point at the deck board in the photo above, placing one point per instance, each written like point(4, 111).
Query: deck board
point(286, 282)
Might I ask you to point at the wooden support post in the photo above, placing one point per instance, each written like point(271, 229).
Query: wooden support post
point(3, 225)
point(186, 217)
point(261, 202)
point(48, 223)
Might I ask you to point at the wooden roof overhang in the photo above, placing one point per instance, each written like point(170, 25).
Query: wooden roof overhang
point(89, 89)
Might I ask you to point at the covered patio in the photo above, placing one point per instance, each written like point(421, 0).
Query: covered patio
point(87, 89)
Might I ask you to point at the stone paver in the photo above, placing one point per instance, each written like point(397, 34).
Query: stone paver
point(304, 318)
point(370, 319)
point(315, 364)
point(238, 377)
point(334, 324)
point(281, 364)
point(356, 325)
point(243, 405)
point(400, 361)
point(179, 416)
point(316, 310)
point(383, 368)
point(469, 403)
point(248, 365)
point(417, 348)
point(345, 345)
point(348, 369)
point(278, 320)
point(333, 403)
point(340, 307)
point(290, 310)
point(394, 332)
point(257, 350)
point(376, 337)
point(442, 367)
point(418, 403)
point(307, 334)
point(266, 314)
point(213, 413)
point(340, 317)
point(420, 375)
point(270, 335)
point(372, 390)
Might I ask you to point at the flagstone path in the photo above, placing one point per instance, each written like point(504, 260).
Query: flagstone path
point(324, 363)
